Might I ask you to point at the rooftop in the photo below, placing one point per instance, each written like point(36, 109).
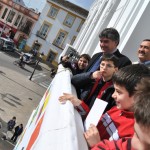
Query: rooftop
point(20, 2)
point(72, 7)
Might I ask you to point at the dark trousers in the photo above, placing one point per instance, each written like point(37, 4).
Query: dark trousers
point(14, 137)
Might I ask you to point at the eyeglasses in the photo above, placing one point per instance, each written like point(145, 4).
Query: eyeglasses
point(106, 65)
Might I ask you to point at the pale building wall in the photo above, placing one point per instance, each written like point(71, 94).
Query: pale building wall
point(57, 24)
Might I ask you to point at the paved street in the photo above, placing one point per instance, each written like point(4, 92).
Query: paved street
point(19, 96)
point(41, 75)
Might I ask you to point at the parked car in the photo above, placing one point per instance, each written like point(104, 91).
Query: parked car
point(7, 44)
point(29, 59)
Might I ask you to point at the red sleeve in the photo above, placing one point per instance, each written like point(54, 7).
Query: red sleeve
point(83, 109)
point(121, 144)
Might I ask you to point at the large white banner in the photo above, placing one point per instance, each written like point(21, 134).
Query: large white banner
point(54, 126)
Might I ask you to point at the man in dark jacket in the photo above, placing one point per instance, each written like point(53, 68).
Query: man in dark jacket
point(109, 40)
point(18, 131)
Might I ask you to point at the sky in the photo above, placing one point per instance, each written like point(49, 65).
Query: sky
point(39, 4)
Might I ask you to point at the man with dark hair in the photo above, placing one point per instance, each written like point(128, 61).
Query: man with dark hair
point(109, 40)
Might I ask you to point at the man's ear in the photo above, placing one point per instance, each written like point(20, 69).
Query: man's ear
point(117, 43)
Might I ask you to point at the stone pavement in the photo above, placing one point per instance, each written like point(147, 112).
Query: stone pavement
point(18, 97)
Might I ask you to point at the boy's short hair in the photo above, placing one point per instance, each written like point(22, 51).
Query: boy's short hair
point(110, 33)
point(86, 56)
point(110, 57)
point(129, 76)
point(142, 103)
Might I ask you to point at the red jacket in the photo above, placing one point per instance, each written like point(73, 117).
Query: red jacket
point(116, 124)
point(103, 93)
point(121, 144)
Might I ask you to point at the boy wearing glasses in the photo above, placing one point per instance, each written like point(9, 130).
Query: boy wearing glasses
point(97, 85)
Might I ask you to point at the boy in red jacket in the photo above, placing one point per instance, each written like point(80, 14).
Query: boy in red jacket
point(141, 138)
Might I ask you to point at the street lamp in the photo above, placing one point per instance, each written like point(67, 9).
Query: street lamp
point(40, 57)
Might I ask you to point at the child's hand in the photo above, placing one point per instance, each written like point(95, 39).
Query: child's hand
point(96, 75)
point(65, 58)
point(74, 100)
point(92, 136)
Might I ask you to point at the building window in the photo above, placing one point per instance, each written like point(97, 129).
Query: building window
point(44, 30)
point(10, 16)
point(69, 20)
point(21, 22)
point(27, 27)
point(51, 56)
point(60, 38)
point(73, 39)
point(17, 20)
point(53, 12)
point(80, 26)
point(4, 14)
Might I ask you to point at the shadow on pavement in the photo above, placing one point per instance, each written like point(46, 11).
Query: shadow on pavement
point(3, 73)
point(26, 69)
point(12, 54)
point(38, 67)
point(10, 99)
point(2, 109)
